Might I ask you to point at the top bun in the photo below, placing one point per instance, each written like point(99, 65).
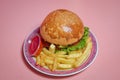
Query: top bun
point(62, 27)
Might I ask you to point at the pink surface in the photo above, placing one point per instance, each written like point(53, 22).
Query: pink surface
point(19, 17)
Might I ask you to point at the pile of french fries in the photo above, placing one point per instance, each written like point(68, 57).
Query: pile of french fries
point(59, 60)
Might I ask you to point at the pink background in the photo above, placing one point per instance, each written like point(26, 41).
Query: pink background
point(18, 18)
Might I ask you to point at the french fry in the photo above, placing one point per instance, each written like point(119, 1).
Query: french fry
point(89, 39)
point(55, 64)
point(64, 66)
point(50, 66)
point(48, 60)
point(89, 46)
point(61, 52)
point(47, 52)
point(75, 52)
point(61, 56)
point(74, 55)
point(79, 61)
point(42, 57)
point(52, 48)
point(66, 61)
point(38, 60)
point(84, 56)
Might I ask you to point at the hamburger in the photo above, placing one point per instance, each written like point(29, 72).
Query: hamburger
point(65, 30)
point(62, 43)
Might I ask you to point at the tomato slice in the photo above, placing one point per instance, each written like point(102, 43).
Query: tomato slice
point(39, 49)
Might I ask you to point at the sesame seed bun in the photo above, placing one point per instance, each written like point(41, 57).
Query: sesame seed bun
point(62, 27)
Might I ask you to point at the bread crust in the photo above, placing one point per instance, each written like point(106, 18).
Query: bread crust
point(62, 27)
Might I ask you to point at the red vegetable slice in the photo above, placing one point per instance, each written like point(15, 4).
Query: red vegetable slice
point(39, 49)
